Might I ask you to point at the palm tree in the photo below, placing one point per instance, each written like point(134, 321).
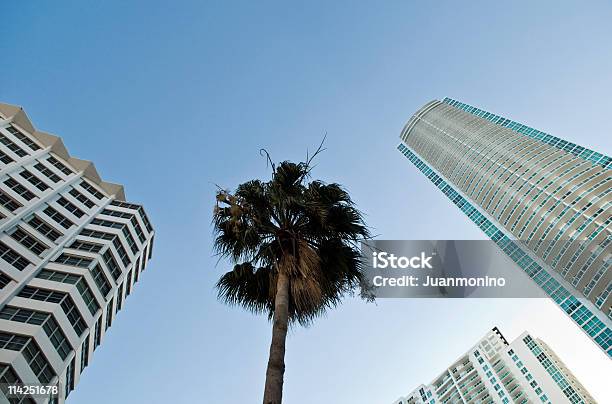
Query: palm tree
point(294, 244)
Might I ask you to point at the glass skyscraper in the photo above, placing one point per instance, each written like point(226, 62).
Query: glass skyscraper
point(546, 202)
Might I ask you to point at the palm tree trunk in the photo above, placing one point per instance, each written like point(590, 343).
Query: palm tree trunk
point(273, 393)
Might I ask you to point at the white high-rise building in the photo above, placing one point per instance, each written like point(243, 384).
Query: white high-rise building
point(495, 371)
point(71, 250)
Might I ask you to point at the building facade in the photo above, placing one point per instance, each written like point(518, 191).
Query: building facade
point(494, 371)
point(71, 250)
point(546, 202)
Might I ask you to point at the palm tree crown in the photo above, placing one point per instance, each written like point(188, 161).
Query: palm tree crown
point(308, 231)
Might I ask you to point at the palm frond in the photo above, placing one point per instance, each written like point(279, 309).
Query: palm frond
point(310, 231)
point(247, 287)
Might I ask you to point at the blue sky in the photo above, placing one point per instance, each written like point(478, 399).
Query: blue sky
point(171, 98)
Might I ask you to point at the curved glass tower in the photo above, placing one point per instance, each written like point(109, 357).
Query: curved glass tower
point(545, 201)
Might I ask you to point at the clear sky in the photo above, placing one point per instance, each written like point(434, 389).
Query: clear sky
point(170, 98)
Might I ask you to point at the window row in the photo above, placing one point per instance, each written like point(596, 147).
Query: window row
point(84, 262)
point(9, 377)
point(46, 320)
point(138, 208)
point(12, 205)
point(86, 246)
point(131, 217)
point(30, 242)
point(121, 226)
point(61, 298)
point(90, 188)
point(30, 143)
point(23, 138)
point(123, 255)
point(31, 352)
point(4, 280)
point(43, 228)
point(19, 190)
point(8, 202)
point(12, 257)
point(70, 207)
point(12, 146)
point(4, 158)
point(78, 281)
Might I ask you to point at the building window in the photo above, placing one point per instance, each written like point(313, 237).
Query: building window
point(150, 249)
point(120, 226)
point(13, 257)
point(37, 361)
point(4, 158)
point(43, 228)
point(128, 283)
point(111, 264)
point(97, 234)
point(57, 337)
point(8, 376)
point(31, 353)
point(70, 207)
point(110, 237)
point(101, 281)
point(28, 241)
point(69, 378)
point(61, 298)
point(120, 297)
point(34, 180)
point(58, 217)
point(109, 314)
point(57, 164)
point(20, 189)
point(23, 138)
point(23, 315)
point(137, 208)
point(12, 146)
point(81, 198)
point(123, 204)
point(131, 217)
point(4, 280)
point(8, 202)
point(107, 223)
point(89, 188)
point(86, 246)
point(47, 172)
point(98, 332)
point(76, 280)
point(137, 270)
point(85, 354)
point(74, 260)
